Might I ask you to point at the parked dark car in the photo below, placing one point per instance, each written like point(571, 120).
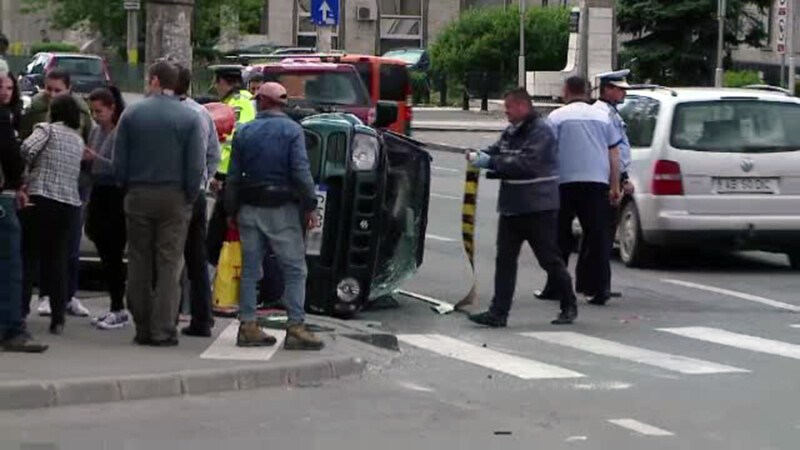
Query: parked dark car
point(88, 72)
point(415, 58)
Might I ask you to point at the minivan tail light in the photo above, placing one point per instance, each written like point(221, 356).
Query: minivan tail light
point(667, 178)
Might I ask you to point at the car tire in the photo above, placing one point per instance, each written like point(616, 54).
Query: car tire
point(794, 260)
point(633, 250)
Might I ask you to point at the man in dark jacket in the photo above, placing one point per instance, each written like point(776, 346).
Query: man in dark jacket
point(525, 159)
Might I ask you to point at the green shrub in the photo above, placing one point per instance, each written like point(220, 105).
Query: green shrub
point(420, 85)
point(487, 39)
point(64, 47)
point(739, 78)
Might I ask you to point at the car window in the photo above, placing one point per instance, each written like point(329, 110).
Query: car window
point(640, 115)
point(736, 126)
point(80, 66)
point(365, 72)
point(394, 82)
point(36, 67)
point(407, 57)
point(327, 88)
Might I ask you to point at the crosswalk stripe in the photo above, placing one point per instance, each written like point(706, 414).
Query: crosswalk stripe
point(526, 369)
point(742, 341)
point(640, 355)
point(640, 427)
point(740, 295)
point(224, 347)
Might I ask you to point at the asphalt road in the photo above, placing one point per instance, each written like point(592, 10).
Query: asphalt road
point(699, 353)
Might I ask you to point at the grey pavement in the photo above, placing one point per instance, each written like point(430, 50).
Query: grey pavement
point(615, 379)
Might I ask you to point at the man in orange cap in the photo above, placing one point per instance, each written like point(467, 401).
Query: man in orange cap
point(269, 185)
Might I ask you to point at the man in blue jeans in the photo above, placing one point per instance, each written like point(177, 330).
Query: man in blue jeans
point(13, 336)
point(269, 184)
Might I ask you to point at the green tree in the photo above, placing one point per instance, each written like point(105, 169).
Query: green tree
point(675, 41)
point(487, 39)
point(108, 17)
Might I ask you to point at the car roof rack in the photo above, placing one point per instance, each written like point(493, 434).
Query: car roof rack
point(652, 87)
point(768, 88)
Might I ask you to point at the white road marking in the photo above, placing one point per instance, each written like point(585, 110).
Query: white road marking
point(434, 237)
point(445, 169)
point(742, 341)
point(224, 347)
point(603, 386)
point(741, 295)
point(797, 325)
point(414, 387)
point(445, 197)
point(527, 369)
point(640, 355)
point(576, 438)
point(641, 428)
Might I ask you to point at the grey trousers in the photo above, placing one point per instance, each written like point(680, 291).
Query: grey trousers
point(158, 219)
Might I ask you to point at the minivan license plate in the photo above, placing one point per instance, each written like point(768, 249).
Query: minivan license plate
point(746, 185)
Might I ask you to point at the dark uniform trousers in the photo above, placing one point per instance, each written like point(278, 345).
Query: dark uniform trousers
point(540, 232)
point(590, 203)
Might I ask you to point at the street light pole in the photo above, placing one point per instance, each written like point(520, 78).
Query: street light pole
point(521, 74)
point(790, 47)
point(720, 42)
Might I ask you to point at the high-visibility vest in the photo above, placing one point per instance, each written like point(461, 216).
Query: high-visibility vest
point(242, 104)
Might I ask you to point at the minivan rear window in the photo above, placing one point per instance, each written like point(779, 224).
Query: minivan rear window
point(325, 88)
point(737, 126)
point(80, 66)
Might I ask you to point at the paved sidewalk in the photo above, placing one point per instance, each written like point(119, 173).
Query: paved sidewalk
point(86, 365)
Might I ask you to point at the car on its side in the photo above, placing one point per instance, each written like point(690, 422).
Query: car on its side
point(712, 169)
point(415, 58)
point(88, 72)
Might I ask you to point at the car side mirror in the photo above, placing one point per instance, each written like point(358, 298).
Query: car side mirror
point(386, 114)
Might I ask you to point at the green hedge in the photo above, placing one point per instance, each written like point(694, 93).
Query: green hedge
point(739, 78)
point(65, 47)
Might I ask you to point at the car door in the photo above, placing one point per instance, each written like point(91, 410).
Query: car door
point(738, 156)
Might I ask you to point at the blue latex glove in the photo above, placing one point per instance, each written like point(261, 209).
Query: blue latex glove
point(480, 160)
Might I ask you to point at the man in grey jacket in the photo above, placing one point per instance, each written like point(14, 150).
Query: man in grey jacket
point(525, 159)
point(157, 160)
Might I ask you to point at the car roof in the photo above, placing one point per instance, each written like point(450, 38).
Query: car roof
point(70, 55)
point(298, 64)
point(694, 94)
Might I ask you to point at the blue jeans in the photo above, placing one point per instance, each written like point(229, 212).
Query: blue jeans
point(281, 227)
point(11, 322)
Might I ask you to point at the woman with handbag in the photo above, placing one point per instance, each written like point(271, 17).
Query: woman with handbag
point(53, 155)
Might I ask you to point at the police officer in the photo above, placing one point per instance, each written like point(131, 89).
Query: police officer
point(613, 88)
point(589, 157)
point(525, 159)
point(231, 92)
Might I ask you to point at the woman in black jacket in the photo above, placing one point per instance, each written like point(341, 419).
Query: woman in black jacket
point(13, 336)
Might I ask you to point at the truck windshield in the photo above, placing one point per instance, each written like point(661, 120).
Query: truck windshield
point(737, 126)
point(328, 88)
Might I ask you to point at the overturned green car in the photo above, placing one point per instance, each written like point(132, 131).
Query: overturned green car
point(373, 189)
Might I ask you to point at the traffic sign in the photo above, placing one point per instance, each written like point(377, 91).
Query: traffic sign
point(133, 5)
point(325, 12)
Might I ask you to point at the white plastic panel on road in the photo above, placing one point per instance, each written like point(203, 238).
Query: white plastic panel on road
point(640, 427)
point(739, 295)
point(527, 369)
point(742, 341)
point(224, 347)
point(629, 353)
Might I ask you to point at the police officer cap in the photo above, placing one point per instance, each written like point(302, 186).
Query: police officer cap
point(616, 78)
point(228, 71)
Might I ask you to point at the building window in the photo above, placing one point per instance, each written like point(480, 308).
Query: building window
point(307, 31)
point(401, 24)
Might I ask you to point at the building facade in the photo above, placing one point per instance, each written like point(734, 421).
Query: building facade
point(767, 58)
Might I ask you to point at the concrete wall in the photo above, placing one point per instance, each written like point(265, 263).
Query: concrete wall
point(440, 12)
point(360, 36)
point(23, 29)
point(281, 21)
point(600, 41)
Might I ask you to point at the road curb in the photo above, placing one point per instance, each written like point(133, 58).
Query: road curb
point(459, 128)
point(48, 394)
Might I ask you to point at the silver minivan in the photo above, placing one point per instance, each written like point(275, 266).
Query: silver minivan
point(712, 169)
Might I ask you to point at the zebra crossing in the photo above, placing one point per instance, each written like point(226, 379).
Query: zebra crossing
point(546, 366)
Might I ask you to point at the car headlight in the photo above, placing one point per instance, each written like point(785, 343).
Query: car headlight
point(365, 152)
point(348, 290)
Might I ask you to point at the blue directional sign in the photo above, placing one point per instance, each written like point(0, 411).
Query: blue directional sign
point(325, 12)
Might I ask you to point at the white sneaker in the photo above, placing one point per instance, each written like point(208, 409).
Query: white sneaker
point(76, 308)
point(114, 321)
point(44, 307)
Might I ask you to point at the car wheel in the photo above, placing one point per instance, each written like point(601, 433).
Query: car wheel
point(633, 250)
point(794, 260)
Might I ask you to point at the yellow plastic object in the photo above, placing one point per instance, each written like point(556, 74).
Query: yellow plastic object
point(226, 281)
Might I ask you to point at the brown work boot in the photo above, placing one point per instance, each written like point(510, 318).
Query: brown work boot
point(299, 338)
point(251, 335)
